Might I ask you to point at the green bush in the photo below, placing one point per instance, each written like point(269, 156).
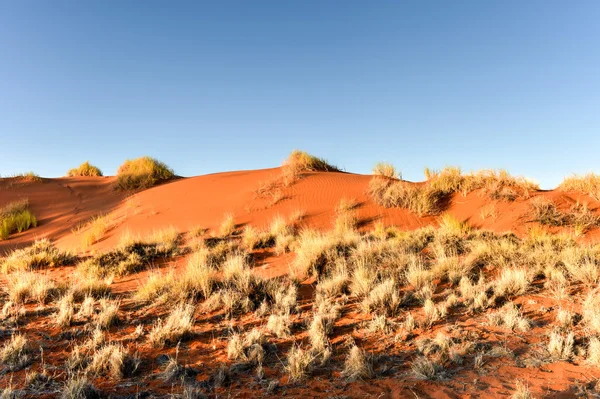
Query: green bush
point(85, 169)
point(15, 218)
point(141, 173)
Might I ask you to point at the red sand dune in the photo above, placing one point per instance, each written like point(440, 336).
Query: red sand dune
point(63, 204)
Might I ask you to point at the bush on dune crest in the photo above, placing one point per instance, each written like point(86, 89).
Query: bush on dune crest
point(143, 172)
point(429, 197)
point(588, 184)
point(302, 161)
point(28, 176)
point(85, 169)
point(16, 217)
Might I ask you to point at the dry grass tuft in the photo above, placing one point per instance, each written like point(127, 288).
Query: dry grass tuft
point(424, 368)
point(301, 161)
point(108, 315)
point(300, 363)
point(96, 229)
point(133, 253)
point(16, 353)
point(227, 227)
point(79, 387)
point(560, 347)
point(85, 169)
point(521, 391)
point(386, 170)
point(26, 286)
point(177, 326)
point(588, 184)
point(40, 255)
point(113, 360)
point(357, 365)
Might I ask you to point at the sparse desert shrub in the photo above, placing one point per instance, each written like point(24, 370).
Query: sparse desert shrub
point(85, 169)
point(25, 286)
point(512, 282)
point(81, 286)
point(299, 363)
point(564, 319)
point(254, 239)
point(41, 254)
point(141, 173)
point(113, 360)
point(591, 311)
point(79, 387)
point(424, 368)
point(66, 311)
point(316, 251)
point(96, 229)
point(132, 254)
point(401, 194)
point(321, 326)
point(109, 314)
point(580, 217)
point(227, 227)
point(381, 324)
point(16, 217)
point(248, 348)
point(521, 391)
point(177, 326)
point(333, 286)
point(510, 317)
point(199, 277)
point(301, 161)
point(428, 198)
point(588, 184)
point(384, 297)
point(560, 346)
point(279, 324)
point(582, 265)
point(357, 364)
point(545, 212)
point(451, 224)
point(30, 177)
point(16, 353)
point(87, 308)
point(593, 352)
point(431, 313)
point(386, 169)
point(346, 219)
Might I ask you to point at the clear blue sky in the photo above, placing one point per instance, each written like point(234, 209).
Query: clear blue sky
point(226, 85)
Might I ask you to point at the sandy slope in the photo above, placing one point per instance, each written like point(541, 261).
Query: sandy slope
point(63, 204)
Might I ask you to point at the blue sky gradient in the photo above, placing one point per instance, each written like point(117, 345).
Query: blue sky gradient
point(227, 85)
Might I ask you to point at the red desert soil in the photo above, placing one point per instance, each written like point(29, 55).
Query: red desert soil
point(61, 205)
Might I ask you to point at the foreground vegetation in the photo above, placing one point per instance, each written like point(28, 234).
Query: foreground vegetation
point(420, 305)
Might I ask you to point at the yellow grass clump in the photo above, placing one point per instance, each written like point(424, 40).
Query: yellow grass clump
point(588, 184)
point(143, 172)
point(16, 217)
point(302, 161)
point(85, 169)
